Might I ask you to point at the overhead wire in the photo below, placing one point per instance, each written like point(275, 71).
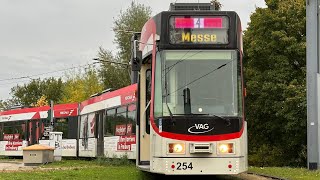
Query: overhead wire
point(28, 80)
point(181, 60)
point(50, 72)
point(197, 79)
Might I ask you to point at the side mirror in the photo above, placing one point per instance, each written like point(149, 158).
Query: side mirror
point(136, 61)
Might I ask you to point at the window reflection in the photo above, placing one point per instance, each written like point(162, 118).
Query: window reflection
point(120, 121)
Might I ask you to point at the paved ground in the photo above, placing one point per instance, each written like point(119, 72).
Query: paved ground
point(14, 166)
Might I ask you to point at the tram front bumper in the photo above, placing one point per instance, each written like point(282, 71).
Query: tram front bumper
point(198, 166)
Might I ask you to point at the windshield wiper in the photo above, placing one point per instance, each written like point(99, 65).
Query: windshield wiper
point(171, 115)
point(166, 96)
point(187, 101)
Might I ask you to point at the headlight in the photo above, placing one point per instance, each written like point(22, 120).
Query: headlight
point(176, 148)
point(225, 148)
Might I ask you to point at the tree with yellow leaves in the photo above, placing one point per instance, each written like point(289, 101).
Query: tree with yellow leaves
point(42, 101)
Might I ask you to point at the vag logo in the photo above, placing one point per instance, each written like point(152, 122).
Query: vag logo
point(202, 126)
point(200, 129)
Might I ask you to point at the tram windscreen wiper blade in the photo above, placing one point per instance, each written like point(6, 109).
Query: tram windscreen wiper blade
point(166, 96)
point(171, 115)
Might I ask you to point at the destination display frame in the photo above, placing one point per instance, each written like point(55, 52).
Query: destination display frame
point(162, 28)
point(199, 29)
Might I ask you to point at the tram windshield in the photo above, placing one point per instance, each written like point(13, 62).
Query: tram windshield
point(198, 82)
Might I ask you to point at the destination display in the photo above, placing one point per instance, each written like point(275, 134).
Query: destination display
point(199, 30)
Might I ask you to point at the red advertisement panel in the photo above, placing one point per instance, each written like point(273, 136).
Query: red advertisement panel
point(13, 145)
point(128, 98)
point(14, 142)
point(11, 137)
point(121, 130)
point(125, 143)
point(65, 112)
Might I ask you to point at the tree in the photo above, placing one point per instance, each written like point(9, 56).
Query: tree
point(113, 75)
point(131, 20)
point(7, 104)
point(217, 4)
point(275, 73)
point(2, 105)
point(29, 94)
point(43, 101)
point(117, 75)
point(80, 86)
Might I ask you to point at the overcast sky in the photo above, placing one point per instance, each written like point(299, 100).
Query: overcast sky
point(41, 36)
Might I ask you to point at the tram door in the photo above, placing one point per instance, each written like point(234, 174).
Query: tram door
point(144, 124)
point(33, 132)
point(99, 134)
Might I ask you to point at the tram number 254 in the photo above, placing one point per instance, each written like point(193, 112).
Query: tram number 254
point(184, 166)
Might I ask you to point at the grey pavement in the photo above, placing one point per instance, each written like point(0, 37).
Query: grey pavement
point(14, 166)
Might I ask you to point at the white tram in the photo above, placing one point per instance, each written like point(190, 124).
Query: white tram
point(190, 105)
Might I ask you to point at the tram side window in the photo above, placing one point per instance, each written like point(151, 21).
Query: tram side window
point(68, 126)
point(13, 131)
point(72, 127)
point(109, 118)
point(120, 121)
point(131, 124)
point(61, 125)
point(148, 99)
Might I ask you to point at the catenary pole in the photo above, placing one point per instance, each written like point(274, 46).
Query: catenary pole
point(313, 83)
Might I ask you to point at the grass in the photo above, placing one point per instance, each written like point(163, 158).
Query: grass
point(8, 159)
point(101, 168)
point(78, 169)
point(93, 172)
point(70, 163)
point(123, 169)
point(288, 173)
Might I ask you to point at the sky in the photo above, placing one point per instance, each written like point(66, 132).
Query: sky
point(43, 36)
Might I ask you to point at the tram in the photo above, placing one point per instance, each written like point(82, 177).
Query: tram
point(102, 126)
point(190, 102)
point(23, 127)
point(107, 126)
